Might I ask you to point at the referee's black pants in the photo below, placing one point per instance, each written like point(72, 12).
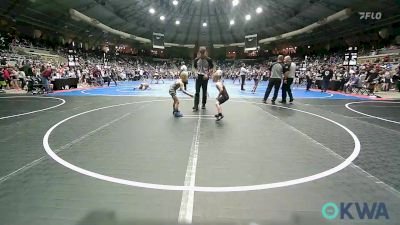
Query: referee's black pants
point(243, 80)
point(109, 80)
point(309, 83)
point(200, 83)
point(286, 89)
point(273, 83)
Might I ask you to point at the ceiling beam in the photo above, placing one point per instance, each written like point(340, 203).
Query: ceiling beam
point(190, 23)
point(220, 28)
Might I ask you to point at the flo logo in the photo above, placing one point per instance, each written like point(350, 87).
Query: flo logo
point(355, 210)
point(370, 15)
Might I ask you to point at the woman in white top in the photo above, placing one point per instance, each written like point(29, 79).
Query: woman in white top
point(22, 78)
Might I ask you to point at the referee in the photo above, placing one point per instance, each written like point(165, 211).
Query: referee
point(286, 86)
point(243, 75)
point(275, 80)
point(204, 66)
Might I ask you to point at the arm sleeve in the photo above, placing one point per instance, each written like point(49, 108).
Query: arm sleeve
point(195, 63)
point(270, 68)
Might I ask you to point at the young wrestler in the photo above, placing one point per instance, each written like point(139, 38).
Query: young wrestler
point(178, 84)
point(257, 76)
point(222, 95)
point(143, 87)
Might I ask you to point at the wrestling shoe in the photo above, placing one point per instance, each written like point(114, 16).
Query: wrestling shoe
point(178, 114)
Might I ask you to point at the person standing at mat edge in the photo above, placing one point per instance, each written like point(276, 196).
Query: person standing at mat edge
point(277, 70)
point(327, 75)
point(287, 82)
point(243, 75)
point(204, 66)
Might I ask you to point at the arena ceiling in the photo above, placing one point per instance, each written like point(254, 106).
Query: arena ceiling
point(133, 17)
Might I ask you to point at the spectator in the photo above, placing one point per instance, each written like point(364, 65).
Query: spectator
point(396, 79)
point(46, 75)
point(14, 78)
point(2, 80)
point(309, 78)
point(22, 78)
point(352, 83)
point(7, 77)
point(386, 81)
point(371, 80)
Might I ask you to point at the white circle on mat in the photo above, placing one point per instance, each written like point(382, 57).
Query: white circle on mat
point(35, 111)
point(376, 117)
point(344, 164)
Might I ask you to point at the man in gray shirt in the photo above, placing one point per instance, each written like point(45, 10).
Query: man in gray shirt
point(277, 71)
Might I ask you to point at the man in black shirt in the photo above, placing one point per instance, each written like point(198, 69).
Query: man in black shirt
point(3, 61)
point(371, 80)
point(28, 69)
point(111, 76)
point(204, 66)
point(327, 75)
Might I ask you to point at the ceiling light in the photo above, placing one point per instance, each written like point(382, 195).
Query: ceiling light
point(248, 17)
point(235, 2)
point(259, 10)
point(152, 11)
point(231, 22)
point(162, 18)
point(177, 22)
point(204, 24)
point(175, 2)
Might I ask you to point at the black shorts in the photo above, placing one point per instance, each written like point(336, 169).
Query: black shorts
point(172, 93)
point(222, 99)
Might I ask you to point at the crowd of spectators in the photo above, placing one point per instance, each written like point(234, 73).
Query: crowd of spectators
point(93, 69)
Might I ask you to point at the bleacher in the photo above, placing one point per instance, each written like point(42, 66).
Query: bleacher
point(42, 53)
